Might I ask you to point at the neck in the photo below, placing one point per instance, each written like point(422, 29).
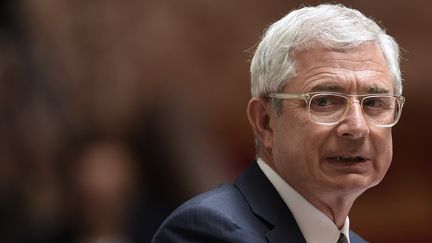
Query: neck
point(335, 205)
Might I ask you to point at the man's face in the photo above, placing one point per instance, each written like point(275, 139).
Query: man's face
point(319, 160)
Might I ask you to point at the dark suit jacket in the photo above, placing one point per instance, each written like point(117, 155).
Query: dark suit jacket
point(251, 210)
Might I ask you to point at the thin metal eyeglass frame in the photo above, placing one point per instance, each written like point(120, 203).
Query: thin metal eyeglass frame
point(307, 97)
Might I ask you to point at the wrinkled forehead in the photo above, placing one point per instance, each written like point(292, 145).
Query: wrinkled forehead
point(360, 69)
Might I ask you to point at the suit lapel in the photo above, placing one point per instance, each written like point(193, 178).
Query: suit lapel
point(267, 205)
point(355, 238)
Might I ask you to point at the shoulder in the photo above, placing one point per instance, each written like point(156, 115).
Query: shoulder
point(223, 201)
point(221, 214)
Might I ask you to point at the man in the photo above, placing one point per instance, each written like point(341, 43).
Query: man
point(326, 89)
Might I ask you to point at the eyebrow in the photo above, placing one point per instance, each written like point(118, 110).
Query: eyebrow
point(327, 87)
point(337, 88)
point(377, 90)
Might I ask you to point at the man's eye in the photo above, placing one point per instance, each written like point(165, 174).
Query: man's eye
point(373, 102)
point(327, 103)
point(328, 100)
point(322, 101)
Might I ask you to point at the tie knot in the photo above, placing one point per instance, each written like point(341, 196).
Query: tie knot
point(342, 239)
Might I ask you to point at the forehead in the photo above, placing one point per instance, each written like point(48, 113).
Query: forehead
point(362, 69)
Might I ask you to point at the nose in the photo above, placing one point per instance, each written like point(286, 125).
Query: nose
point(354, 125)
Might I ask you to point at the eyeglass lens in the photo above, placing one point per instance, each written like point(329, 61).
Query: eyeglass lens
point(330, 108)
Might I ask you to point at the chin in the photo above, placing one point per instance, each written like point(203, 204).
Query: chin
point(355, 184)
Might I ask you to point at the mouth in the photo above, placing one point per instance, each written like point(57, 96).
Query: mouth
point(352, 164)
point(347, 159)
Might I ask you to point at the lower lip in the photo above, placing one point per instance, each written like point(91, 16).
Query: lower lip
point(350, 166)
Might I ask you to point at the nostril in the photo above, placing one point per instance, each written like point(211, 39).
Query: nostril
point(353, 129)
point(351, 135)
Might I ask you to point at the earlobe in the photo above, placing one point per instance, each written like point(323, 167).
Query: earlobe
point(259, 115)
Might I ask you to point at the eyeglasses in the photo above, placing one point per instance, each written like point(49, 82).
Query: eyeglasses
point(330, 108)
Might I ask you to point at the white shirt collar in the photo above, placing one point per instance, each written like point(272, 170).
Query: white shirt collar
point(315, 226)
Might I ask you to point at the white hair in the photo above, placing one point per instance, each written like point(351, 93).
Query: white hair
point(334, 26)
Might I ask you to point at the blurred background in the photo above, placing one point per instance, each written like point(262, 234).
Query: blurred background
point(114, 112)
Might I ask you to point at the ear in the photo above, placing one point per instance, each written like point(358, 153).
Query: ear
point(259, 114)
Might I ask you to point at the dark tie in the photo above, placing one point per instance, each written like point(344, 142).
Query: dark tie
point(342, 239)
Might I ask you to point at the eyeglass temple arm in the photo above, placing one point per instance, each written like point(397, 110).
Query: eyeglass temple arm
point(288, 96)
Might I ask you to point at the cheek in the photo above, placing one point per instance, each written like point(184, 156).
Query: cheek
point(287, 144)
point(316, 137)
point(297, 142)
point(383, 147)
point(384, 144)
point(388, 152)
point(311, 141)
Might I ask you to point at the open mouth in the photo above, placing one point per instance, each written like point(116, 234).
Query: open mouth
point(355, 159)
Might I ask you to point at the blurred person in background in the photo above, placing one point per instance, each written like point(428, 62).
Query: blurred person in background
point(104, 180)
point(326, 92)
point(68, 66)
point(100, 177)
point(106, 194)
